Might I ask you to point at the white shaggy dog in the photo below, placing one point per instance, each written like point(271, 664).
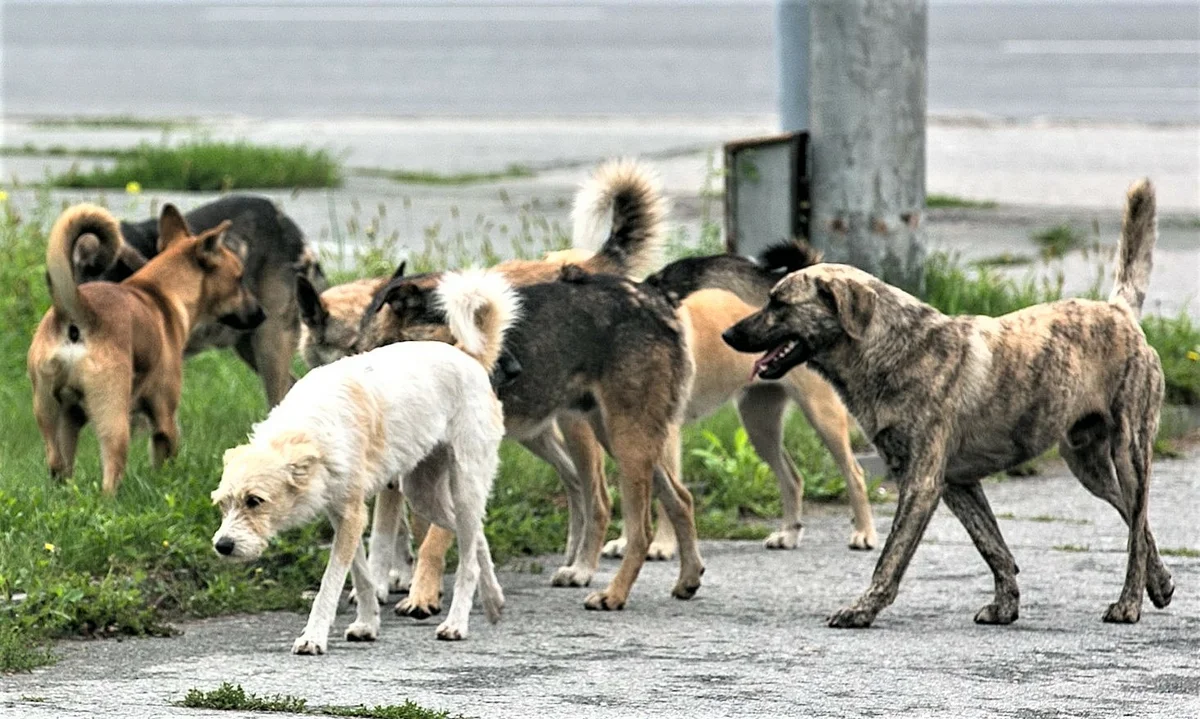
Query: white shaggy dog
point(421, 411)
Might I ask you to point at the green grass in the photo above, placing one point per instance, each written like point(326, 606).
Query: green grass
point(953, 201)
point(1071, 548)
point(1004, 259)
point(1180, 552)
point(232, 697)
point(31, 150)
point(1057, 241)
point(115, 122)
point(423, 177)
point(201, 165)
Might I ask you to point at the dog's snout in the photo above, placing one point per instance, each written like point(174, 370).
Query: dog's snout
point(224, 546)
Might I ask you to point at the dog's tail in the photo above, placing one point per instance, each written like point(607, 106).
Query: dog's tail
point(79, 223)
point(626, 197)
point(1139, 231)
point(789, 256)
point(480, 306)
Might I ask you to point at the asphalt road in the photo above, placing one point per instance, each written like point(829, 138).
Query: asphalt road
point(1131, 60)
point(752, 643)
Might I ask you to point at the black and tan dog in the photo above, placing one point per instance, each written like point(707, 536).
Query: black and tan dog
point(625, 195)
point(106, 351)
point(274, 253)
point(716, 292)
point(950, 400)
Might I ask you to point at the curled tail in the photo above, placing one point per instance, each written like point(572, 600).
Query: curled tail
point(1139, 231)
point(480, 306)
point(98, 230)
point(625, 197)
point(788, 257)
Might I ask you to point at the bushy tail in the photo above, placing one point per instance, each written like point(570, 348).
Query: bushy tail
point(788, 257)
point(625, 197)
point(480, 306)
point(1139, 231)
point(97, 227)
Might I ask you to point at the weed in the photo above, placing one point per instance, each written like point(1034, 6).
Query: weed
point(952, 201)
point(232, 697)
point(116, 122)
point(1055, 242)
point(1051, 518)
point(1071, 548)
point(1004, 259)
point(1180, 552)
point(201, 165)
point(424, 177)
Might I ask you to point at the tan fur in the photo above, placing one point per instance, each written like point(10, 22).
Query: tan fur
point(127, 353)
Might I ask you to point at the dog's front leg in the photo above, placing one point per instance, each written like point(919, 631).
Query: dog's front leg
point(919, 466)
point(386, 523)
point(347, 534)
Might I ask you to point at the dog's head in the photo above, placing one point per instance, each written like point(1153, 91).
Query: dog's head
point(809, 313)
point(223, 297)
point(404, 310)
point(331, 320)
point(263, 491)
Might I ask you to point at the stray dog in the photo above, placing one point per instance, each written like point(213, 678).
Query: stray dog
point(597, 347)
point(621, 192)
point(274, 253)
point(949, 400)
point(716, 292)
point(107, 351)
point(421, 411)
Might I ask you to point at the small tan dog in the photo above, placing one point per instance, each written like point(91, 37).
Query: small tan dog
point(107, 351)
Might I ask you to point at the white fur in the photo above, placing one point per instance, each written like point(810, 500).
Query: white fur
point(591, 213)
point(432, 403)
point(462, 295)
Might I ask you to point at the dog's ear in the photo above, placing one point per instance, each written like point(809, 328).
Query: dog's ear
point(231, 454)
point(312, 309)
point(208, 249)
point(301, 456)
point(853, 302)
point(404, 298)
point(171, 227)
point(399, 271)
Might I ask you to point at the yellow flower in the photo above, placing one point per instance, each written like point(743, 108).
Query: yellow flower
point(48, 547)
point(133, 187)
point(1193, 355)
point(166, 543)
point(3, 196)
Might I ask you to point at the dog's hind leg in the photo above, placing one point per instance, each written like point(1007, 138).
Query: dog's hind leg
point(275, 343)
point(347, 536)
point(588, 457)
point(164, 440)
point(970, 505)
point(110, 413)
point(919, 471)
point(386, 522)
point(549, 447)
point(676, 501)
point(424, 597)
point(469, 484)
point(366, 621)
point(828, 416)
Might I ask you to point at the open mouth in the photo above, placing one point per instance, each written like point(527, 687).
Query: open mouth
point(777, 362)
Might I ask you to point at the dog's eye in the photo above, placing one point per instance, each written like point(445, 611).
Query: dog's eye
point(252, 502)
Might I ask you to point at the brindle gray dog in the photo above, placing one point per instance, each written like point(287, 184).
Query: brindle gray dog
point(950, 400)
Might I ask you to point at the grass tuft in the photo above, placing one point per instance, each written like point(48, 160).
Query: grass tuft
point(115, 122)
point(1180, 552)
point(952, 201)
point(232, 697)
point(1055, 242)
point(205, 166)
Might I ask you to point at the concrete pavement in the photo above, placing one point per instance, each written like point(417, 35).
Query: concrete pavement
point(752, 643)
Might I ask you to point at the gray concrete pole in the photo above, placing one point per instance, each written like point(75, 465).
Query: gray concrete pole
point(791, 55)
point(867, 123)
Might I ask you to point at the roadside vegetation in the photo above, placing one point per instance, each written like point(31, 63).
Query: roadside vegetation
point(73, 563)
point(232, 697)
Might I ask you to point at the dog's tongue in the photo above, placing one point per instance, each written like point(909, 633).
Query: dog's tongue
point(763, 361)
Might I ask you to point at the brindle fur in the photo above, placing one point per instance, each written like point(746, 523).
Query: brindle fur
point(950, 400)
point(274, 253)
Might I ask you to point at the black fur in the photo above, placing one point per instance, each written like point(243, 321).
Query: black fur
point(751, 281)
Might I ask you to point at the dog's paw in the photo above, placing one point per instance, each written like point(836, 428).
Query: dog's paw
point(1123, 613)
point(571, 576)
point(661, 551)
point(409, 607)
point(614, 549)
point(851, 618)
point(493, 608)
point(447, 632)
point(399, 582)
point(308, 646)
point(685, 589)
point(1161, 591)
point(784, 539)
point(602, 601)
point(997, 614)
point(864, 540)
point(362, 632)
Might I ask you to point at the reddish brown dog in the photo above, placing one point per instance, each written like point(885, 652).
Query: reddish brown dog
point(106, 352)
